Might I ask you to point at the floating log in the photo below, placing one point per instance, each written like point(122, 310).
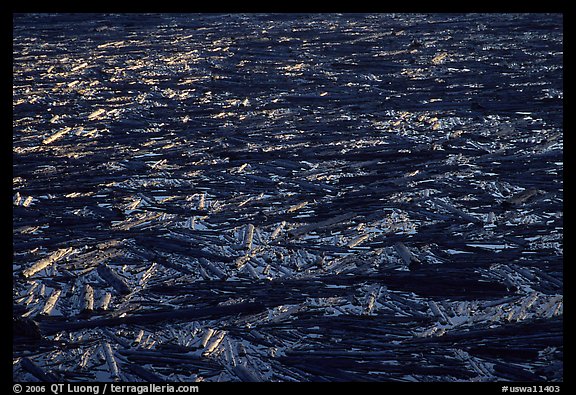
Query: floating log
point(248, 235)
point(297, 207)
point(56, 136)
point(25, 327)
point(50, 260)
point(170, 358)
point(241, 261)
point(206, 337)
point(457, 211)
point(277, 230)
point(436, 311)
point(521, 197)
point(201, 203)
point(51, 302)
point(515, 373)
point(212, 268)
point(213, 343)
point(96, 114)
point(358, 240)
point(111, 360)
point(87, 304)
point(172, 265)
point(409, 259)
point(113, 279)
point(105, 301)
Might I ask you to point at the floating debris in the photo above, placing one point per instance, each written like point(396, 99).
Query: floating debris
point(409, 259)
point(96, 114)
point(44, 263)
point(311, 198)
point(56, 136)
point(51, 302)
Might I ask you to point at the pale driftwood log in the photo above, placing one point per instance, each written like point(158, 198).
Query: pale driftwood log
point(87, 303)
point(241, 261)
point(105, 301)
point(206, 337)
point(358, 240)
point(248, 236)
point(44, 263)
point(50, 139)
point(436, 311)
point(111, 360)
point(213, 343)
point(201, 202)
point(51, 302)
point(296, 207)
point(277, 230)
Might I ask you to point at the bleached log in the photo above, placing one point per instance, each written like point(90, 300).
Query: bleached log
point(111, 360)
point(88, 299)
point(96, 114)
point(436, 311)
point(277, 231)
point(105, 302)
point(297, 207)
point(148, 274)
point(252, 272)
point(358, 240)
point(523, 271)
point(56, 136)
point(201, 203)
point(51, 302)
point(207, 335)
point(79, 67)
point(248, 235)
point(45, 262)
point(214, 343)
